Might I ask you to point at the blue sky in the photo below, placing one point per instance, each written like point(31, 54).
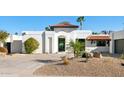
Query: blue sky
point(18, 24)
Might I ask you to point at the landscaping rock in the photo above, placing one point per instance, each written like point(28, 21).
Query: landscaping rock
point(97, 55)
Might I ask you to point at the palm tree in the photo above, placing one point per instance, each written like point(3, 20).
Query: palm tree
point(80, 20)
point(77, 47)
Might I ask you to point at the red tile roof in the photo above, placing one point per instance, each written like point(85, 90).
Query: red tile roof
point(98, 37)
point(64, 25)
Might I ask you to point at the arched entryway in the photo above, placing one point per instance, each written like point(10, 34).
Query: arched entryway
point(61, 44)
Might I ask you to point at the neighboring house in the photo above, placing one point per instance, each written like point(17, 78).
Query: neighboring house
point(117, 42)
point(57, 40)
point(14, 44)
point(98, 43)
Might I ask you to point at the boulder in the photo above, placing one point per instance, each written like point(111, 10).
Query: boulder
point(97, 55)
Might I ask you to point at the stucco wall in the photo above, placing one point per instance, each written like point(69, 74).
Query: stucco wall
point(115, 36)
point(43, 38)
point(49, 34)
point(94, 48)
point(36, 35)
point(16, 46)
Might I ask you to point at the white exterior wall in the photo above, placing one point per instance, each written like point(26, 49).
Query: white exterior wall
point(43, 38)
point(36, 35)
point(49, 34)
point(73, 35)
point(115, 36)
point(93, 47)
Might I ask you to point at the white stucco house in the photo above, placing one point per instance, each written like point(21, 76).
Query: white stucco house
point(57, 40)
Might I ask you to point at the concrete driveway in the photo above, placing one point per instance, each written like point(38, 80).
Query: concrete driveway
point(24, 64)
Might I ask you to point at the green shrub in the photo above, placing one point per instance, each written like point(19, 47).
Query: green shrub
point(3, 50)
point(77, 47)
point(31, 45)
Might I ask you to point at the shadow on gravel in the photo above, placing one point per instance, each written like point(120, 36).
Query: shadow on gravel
point(59, 64)
point(47, 61)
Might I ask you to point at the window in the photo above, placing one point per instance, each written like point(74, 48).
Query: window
point(101, 43)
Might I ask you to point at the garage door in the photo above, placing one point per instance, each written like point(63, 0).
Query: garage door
point(119, 46)
point(17, 46)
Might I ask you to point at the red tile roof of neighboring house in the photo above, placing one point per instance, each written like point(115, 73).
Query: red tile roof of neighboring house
point(98, 37)
point(64, 25)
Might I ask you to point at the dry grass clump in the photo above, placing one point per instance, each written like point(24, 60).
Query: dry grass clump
point(65, 61)
point(3, 50)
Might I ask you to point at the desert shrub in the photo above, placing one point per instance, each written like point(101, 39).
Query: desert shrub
point(3, 50)
point(66, 61)
point(31, 45)
point(122, 56)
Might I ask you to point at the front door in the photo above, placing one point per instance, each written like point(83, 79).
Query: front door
point(61, 44)
point(8, 45)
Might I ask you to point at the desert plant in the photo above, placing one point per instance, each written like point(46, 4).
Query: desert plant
point(31, 45)
point(3, 50)
point(122, 56)
point(65, 61)
point(48, 28)
point(77, 47)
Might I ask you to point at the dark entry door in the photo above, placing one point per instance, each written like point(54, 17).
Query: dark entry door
point(8, 45)
point(61, 44)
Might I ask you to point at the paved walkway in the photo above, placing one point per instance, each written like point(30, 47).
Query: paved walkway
point(24, 65)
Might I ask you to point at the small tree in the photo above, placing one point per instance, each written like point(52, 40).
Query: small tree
point(3, 36)
point(16, 33)
point(77, 47)
point(31, 45)
point(47, 29)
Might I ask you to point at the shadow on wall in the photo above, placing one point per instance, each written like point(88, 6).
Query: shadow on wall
point(101, 49)
point(43, 42)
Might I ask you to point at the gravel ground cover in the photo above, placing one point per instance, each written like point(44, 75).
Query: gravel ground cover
point(95, 67)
